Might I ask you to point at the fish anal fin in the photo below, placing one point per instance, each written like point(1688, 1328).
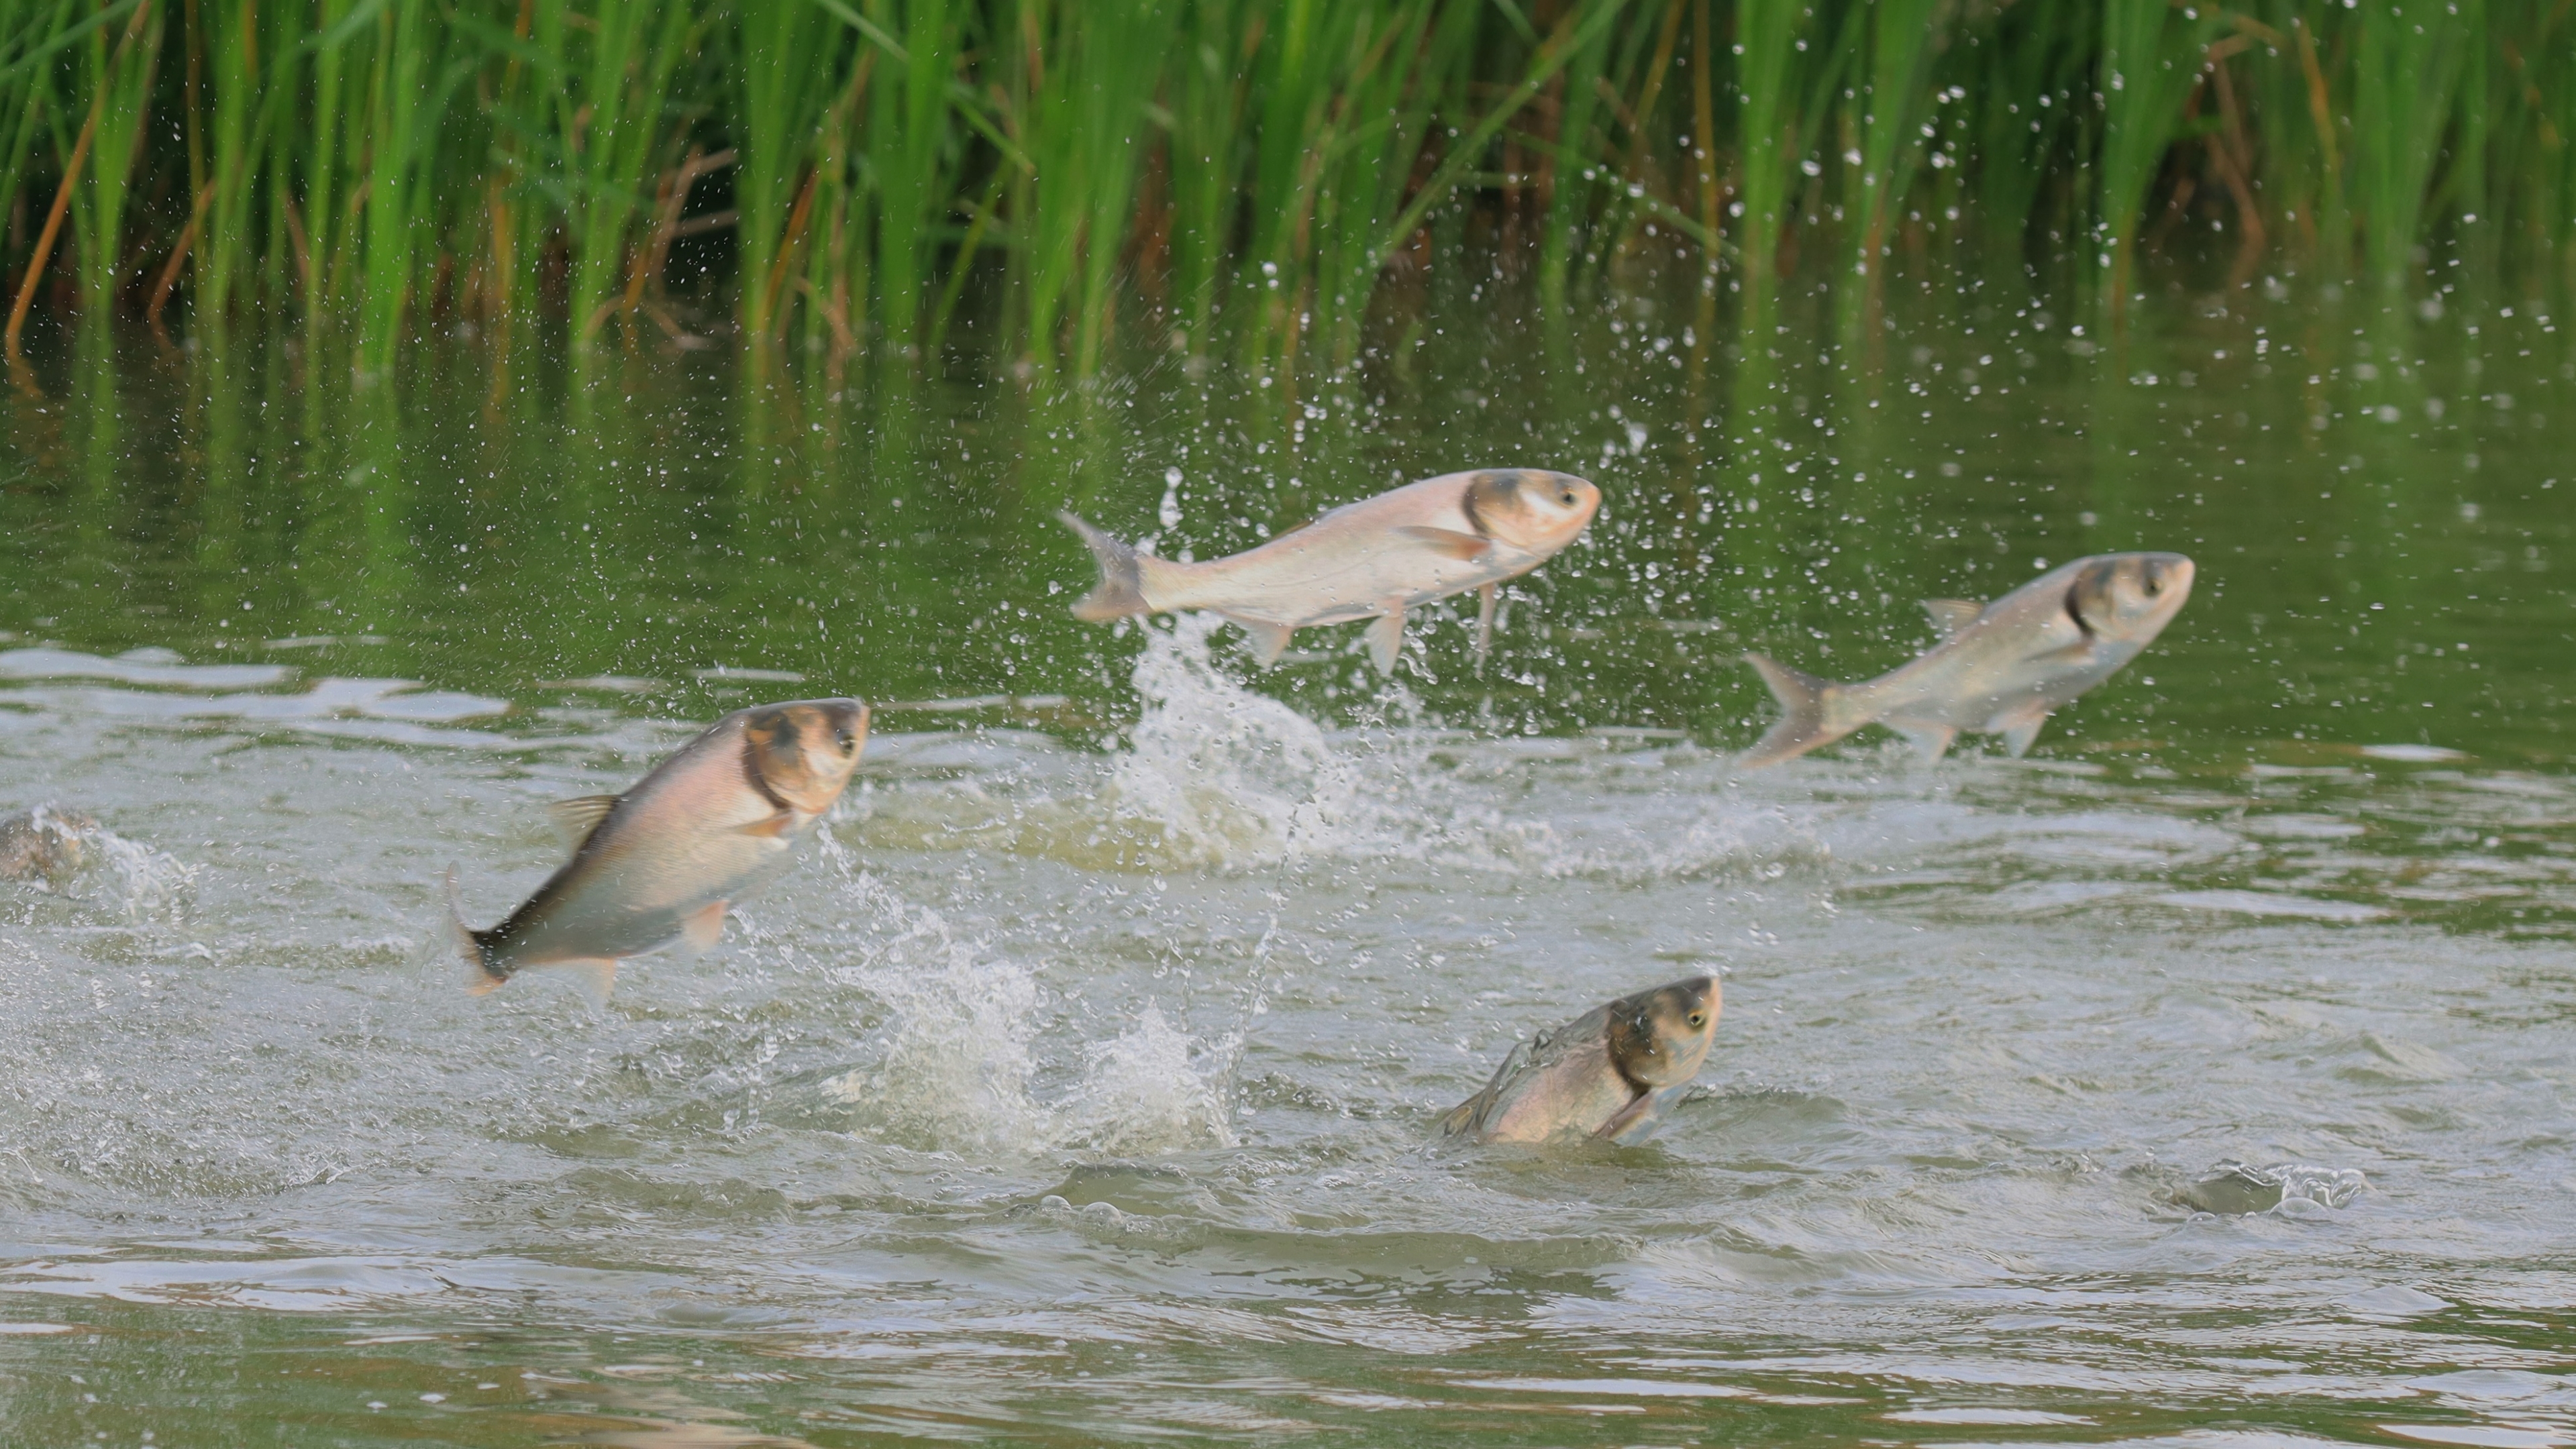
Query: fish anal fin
point(1806, 715)
point(1930, 741)
point(769, 827)
point(701, 929)
point(576, 818)
point(1949, 616)
point(1268, 640)
point(2020, 729)
point(1386, 638)
point(1485, 598)
point(1466, 547)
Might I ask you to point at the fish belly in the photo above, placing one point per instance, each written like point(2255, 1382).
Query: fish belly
point(1335, 585)
point(1572, 1098)
point(631, 910)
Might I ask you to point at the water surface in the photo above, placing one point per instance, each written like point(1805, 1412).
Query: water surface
point(2202, 1078)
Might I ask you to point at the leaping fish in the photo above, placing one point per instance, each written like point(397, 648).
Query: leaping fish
point(2000, 668)
point(664, 861)
point(1611, 1073)
point(1374, 558)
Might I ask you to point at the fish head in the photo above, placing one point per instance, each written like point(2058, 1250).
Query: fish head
point(2129, 596)
point(1530, 508)
point(1660, 1038)
point(803, 752)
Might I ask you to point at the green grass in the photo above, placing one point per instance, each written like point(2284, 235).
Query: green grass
point(1258, 179)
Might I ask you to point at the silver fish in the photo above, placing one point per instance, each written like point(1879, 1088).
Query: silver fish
point(1611, 1073)
point(47, 844)
point(1372, 559)
point(663, 862)
point(2000, 668)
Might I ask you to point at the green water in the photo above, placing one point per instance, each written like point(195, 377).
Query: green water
point(1077, 1090)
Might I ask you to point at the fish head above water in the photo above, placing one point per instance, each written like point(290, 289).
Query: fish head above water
point(2129, 597)
point(803, 752)
point(1660, 1038)
point(1529, 508)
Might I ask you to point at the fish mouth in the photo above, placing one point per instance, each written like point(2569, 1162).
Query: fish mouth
point(2169, 575)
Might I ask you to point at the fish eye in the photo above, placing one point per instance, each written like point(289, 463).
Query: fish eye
point(1566, 498)
point(1699, 1018)
point(845, 739)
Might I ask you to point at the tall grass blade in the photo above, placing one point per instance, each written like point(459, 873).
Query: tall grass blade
point(785, 57)
point(2150, 63)
point(2407, 59)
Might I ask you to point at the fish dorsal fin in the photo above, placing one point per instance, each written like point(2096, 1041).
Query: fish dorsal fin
point(1949, 616)
point(576, 818)
point(1463, 546)
point(1459, 1118)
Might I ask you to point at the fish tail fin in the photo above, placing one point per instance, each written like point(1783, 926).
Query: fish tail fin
point(1807, 714)
point(1121, 591)
point(472, 947)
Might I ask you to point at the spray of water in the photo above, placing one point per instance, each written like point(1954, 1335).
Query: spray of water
point(54, 851)
point(958, 1055)
point(1227, 776)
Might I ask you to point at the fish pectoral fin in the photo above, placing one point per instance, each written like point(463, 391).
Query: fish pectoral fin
point(576, 818)
point(701, 929)
point(1638, 1120)
point(1639, 1113)
point(1269, 641)
point(1485, 598)
point(1386, 638)
point(769, 827)
point(1949, 616)
point(2073, 656)
point(1930, 742)
point(1466, 547)
point(2021, 729)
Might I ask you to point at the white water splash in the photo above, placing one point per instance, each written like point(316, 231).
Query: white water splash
point(1154, 1089)
point(1227, 776)
point(959, 1057)
point(80, 859)
point(957, 1064)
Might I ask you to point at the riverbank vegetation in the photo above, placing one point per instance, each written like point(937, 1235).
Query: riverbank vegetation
point(1245, 180)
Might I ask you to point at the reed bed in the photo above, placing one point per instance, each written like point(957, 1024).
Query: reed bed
point(1246, 180)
